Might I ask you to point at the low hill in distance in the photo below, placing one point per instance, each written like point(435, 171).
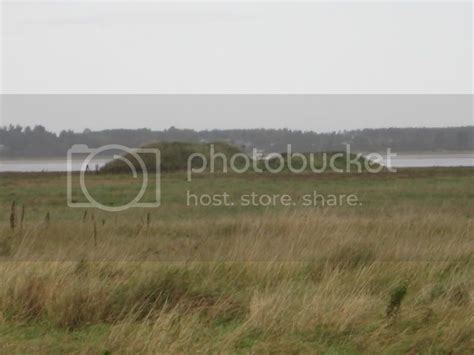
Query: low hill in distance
point(175, 156)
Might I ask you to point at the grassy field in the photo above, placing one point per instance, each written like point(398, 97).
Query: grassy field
point(391, 274)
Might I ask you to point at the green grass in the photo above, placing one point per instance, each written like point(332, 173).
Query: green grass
point(442, 188)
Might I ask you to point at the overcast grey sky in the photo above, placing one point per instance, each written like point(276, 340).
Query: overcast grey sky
point(236, 48)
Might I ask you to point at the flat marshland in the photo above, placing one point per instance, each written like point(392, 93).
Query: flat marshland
point(392, 274)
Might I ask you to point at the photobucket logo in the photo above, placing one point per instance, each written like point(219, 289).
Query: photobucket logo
point(294, 162)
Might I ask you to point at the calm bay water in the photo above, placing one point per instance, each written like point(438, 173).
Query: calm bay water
point(51, 165)
point(432, 160)
point(400, 161)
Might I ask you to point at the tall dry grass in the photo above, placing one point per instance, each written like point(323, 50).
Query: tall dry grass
point(310, 281)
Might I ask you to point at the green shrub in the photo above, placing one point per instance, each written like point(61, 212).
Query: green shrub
point(396, 297)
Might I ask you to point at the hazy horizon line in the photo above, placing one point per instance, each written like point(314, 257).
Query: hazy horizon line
point(236, 129)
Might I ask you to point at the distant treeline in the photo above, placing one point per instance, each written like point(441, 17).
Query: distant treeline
point(17, 141)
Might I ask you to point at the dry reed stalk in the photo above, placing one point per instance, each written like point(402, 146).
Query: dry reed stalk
point(94, 233)
point(12, 216)
point(22, 217)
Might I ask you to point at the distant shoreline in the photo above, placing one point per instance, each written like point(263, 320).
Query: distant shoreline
point(62, 157)
point(52, 158)
point(424, 152)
